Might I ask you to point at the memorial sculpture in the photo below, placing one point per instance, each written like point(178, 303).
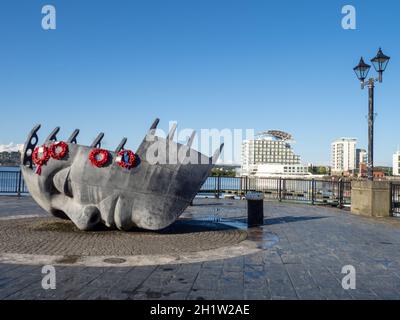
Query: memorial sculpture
point(121, 189)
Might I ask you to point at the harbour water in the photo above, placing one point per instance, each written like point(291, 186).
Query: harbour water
point(11, 181)
point(6, 168)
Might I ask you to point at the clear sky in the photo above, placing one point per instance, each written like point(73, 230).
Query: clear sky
point(114, 66)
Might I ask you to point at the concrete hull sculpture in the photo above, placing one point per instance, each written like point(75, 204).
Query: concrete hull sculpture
point(121, 189)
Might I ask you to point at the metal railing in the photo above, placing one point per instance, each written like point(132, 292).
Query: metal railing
point(312, 191)
point(395, 195)
point(12, 182)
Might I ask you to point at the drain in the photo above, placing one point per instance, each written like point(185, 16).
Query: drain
point(114, 260)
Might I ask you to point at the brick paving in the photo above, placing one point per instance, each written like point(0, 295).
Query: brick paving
point(314, 243)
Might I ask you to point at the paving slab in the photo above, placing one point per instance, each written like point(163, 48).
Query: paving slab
point(299, 253)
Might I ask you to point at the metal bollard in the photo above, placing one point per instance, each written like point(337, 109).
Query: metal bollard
point(255, 209)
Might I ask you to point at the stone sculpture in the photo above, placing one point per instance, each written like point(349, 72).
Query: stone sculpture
point(80, 183)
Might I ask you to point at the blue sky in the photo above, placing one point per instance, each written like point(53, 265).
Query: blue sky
point(114, 66)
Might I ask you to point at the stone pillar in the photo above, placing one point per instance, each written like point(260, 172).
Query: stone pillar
point(370, 198)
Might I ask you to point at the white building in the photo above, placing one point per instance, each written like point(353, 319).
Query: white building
point(361, 157)
point(270, 154)
point(396, 164)
point(343, 155)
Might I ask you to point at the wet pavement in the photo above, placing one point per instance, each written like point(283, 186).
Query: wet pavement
point(298, 253)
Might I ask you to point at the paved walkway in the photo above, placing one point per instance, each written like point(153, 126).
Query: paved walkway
point(313, 244)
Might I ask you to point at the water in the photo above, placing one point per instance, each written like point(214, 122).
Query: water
point(227, 183)
point(10, 179)
point(6, 168)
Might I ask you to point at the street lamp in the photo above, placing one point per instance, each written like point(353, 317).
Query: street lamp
point(379, 62)
point(361, 71)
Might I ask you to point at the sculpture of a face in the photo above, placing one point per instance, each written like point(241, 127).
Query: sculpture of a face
point(148, 195)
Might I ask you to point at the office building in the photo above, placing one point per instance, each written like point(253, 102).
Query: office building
point(396, 164)
point(343, 155)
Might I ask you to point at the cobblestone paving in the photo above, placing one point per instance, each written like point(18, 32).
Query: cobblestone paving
point(52, 236)
point(314, 244)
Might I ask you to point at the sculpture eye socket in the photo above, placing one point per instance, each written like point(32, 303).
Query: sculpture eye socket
point(62, 182)
point(68, 188)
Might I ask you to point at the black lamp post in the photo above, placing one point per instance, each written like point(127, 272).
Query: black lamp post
point(379, 62)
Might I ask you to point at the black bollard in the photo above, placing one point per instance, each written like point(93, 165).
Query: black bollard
point(255, 209)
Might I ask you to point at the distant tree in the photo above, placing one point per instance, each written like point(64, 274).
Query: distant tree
point(322, 170)
point(222, 172)
point(318, 170)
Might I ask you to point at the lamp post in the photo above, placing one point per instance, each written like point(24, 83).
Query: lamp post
point(379, 62)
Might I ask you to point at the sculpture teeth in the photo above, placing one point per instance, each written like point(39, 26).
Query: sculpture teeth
point(191, 139)
point(27, 159)
point(97, 142)
point(153, 127)
point(151, 132)
point(121, 145)
point(53, 135)
point(217, 154)
point(72, 137)
point(155, 124)
point(171, 133)
point(32, 134)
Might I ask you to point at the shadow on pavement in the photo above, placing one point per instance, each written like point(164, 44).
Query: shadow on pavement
point(289, 219)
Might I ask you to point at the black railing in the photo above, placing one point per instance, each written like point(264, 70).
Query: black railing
point(395, 194)
point(12, 182)
point(312, 191)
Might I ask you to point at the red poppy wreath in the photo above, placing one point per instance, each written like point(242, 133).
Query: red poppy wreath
point(98, 157)
point(126, 159)
point(58, 150)
point(40, 156)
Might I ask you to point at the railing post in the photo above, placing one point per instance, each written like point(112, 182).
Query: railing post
point(216, 187)
point(280, 189)
point(219, 186)
point(340, 186)
point(391, 198)
point(312, 191)
point(19, 183)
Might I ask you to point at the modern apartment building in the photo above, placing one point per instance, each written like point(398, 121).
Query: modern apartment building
point(343, 155)
point(270, 154)
point(396, 164)
point(361, 157)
